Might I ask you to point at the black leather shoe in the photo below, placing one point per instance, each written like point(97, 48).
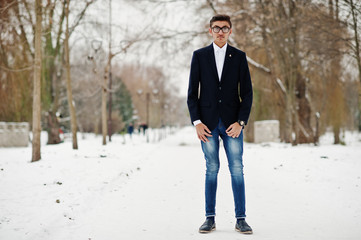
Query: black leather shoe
point(243, 227)
point(208, 226)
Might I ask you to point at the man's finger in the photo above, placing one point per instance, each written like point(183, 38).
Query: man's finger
point(202, 138)
point(207, 134)
point(229, 128)
point(206, 128)
point(204, 133)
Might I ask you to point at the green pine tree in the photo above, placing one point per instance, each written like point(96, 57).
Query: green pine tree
point(122, 101)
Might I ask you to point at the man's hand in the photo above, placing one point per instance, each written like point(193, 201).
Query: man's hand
point(234, 130)
point(203, 132)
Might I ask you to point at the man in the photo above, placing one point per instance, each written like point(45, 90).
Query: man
point(219, 102)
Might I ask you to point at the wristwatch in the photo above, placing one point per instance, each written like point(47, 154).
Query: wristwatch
point(242, 123)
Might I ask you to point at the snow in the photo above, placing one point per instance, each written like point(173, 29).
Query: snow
point(140, 190)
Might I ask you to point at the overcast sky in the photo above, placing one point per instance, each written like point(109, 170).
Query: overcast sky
point(134, 19)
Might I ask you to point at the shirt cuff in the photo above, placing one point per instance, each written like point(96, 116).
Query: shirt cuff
point(196, 122)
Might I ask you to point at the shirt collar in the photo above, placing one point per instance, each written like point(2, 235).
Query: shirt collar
point(216, 48)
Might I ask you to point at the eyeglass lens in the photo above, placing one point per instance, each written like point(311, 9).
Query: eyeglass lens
point(216, 29)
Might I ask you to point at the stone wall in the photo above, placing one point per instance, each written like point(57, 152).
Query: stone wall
point(266, 131)
point(14, 134)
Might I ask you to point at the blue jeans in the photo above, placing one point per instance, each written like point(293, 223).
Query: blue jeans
point(234, 151)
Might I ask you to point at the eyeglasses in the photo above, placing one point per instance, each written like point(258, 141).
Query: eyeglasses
point(224, 29)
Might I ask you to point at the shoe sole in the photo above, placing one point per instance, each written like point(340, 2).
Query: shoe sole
point(204, 231)
point(247, 232)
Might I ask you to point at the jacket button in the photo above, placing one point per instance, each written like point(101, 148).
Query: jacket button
point(220, 101)
point(220, 88)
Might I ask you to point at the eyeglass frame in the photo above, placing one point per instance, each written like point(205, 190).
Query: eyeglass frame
point(221, 28)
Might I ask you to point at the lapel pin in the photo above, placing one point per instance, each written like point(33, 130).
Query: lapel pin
point(230, 55)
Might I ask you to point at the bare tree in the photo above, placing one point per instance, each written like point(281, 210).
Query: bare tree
point(335, 92)
point(68, 80)
point(297, 46)
point(19, 21)
point(152, 93)
point(36, 155)
point(354, 7)
point(16, 67)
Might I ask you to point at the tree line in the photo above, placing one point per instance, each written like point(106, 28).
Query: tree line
point(58, 65)
point(305, 63)
point(45, 83)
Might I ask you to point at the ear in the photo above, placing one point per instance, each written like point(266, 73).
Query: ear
point(210, 31)
point(230, 31)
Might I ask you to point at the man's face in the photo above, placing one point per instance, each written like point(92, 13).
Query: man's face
point(221, 37)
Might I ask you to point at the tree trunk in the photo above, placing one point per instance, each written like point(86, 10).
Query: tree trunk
point(104, 105)
point(36, 155)
point(72, 112)
point(317, 132)
point(302, 108)
point(288, 120)
point(356, 36)
point(110, 74)
point(336, 134)
point(53, 128)
point(357, 54)
point(335, 92)
point(50, 76)
point(110, 102)
point(305, 132)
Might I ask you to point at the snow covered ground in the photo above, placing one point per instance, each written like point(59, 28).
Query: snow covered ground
point(155, 191)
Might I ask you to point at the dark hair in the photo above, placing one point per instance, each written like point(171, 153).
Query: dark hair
point(220, 17)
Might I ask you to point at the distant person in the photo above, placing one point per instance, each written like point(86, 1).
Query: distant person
point(219, 102)
point(143, 127)
point(130, 129)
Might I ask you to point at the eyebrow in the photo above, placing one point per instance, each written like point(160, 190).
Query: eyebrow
point(222, 27)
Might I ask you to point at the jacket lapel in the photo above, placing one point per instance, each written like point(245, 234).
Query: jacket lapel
point(227, 61)
point(212, 61)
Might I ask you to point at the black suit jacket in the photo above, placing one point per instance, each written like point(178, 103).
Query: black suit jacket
point(210, 99)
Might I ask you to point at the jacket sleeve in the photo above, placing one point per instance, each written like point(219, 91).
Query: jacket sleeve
point(246, 91)
point(193, 89)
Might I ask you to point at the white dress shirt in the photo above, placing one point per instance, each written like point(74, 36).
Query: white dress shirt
point(219, 55)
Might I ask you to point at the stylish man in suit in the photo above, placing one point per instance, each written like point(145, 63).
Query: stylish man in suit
point(219, 101)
